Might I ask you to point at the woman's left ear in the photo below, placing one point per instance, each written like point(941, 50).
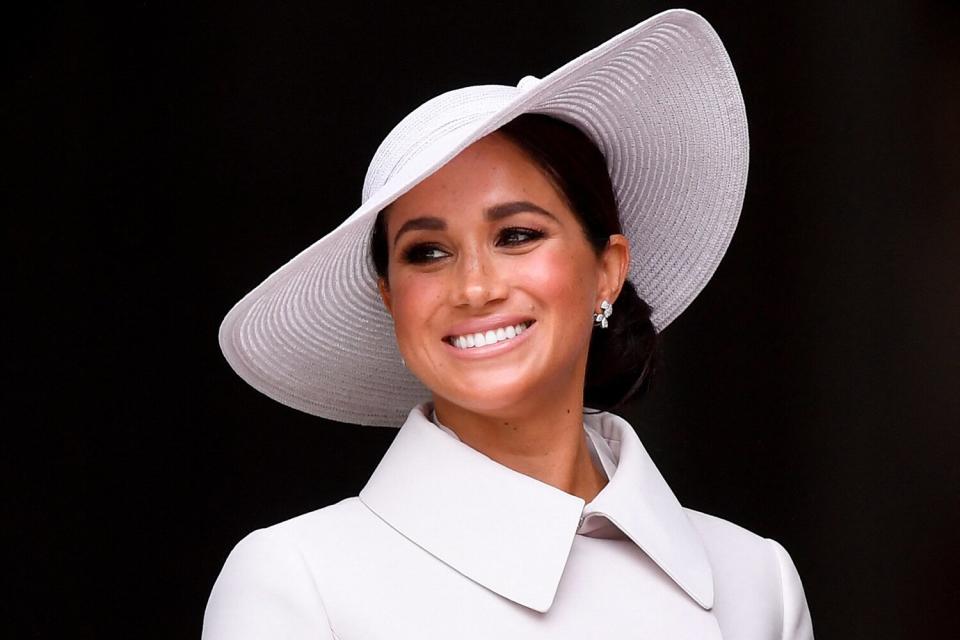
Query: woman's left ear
point(614, 262)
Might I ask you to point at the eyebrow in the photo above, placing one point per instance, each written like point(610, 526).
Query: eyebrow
point(492, 214)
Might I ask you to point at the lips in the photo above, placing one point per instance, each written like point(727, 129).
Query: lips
point(493, 335)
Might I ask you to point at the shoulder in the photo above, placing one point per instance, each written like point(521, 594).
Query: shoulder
point(751, 569)
point(343, 519)
point(268, 585)
point(295, 541)
point(722, 535)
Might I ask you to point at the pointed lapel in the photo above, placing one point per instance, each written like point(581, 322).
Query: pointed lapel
point(638, 500)
point(512, 533)
point(500, 528)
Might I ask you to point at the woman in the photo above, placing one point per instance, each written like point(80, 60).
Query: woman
point(517, 251)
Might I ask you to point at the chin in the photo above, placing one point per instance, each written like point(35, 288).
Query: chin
point(484, 397)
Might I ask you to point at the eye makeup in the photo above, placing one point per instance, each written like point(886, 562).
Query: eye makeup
point(516, 236)
point(422, 253)
point(427, 252)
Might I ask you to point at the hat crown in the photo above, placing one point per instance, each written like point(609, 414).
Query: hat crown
point(426, 131)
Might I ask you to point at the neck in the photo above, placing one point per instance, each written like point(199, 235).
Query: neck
point(547, 443)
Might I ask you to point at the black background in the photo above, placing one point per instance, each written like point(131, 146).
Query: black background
point(165, 158)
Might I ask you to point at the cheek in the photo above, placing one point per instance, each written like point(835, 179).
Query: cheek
point(414, 297)
point(561, 281)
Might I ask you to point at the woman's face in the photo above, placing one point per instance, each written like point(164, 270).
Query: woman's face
point(492, 283)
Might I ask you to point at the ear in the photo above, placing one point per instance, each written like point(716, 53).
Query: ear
point(614, 263)
point(384, 289)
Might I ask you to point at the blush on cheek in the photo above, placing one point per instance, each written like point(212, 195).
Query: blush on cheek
point(559, 278)
point(415, 301)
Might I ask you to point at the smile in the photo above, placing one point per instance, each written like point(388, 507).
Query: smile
point(489, 337)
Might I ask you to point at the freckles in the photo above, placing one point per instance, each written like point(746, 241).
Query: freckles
point(416, 301)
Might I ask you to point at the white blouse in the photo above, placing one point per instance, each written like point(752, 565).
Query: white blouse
point(444, 542)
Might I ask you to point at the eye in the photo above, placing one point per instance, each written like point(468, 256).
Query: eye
point(423, 253)
point(513, 236)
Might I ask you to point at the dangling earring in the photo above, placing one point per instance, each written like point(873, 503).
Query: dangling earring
point(600, 319)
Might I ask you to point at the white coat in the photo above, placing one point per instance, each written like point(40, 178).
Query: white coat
point(444, 542)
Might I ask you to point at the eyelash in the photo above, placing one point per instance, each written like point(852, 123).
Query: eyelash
point(417, 253)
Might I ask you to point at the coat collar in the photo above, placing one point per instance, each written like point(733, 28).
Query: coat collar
point(512, 533)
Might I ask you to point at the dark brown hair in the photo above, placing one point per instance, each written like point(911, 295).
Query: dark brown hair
point(622, 358)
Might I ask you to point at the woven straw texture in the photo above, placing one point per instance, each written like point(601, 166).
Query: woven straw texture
point(661, 101)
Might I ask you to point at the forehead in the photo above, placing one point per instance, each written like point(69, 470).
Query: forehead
point(490, 171)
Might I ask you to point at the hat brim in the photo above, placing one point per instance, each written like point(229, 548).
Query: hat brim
point(661, 101)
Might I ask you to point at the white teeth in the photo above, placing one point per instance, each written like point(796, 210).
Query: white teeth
point(493, 336)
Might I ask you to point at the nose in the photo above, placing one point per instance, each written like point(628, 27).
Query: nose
point(478, 280)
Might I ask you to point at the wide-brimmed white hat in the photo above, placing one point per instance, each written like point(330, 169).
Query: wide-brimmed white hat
point(661, 101)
